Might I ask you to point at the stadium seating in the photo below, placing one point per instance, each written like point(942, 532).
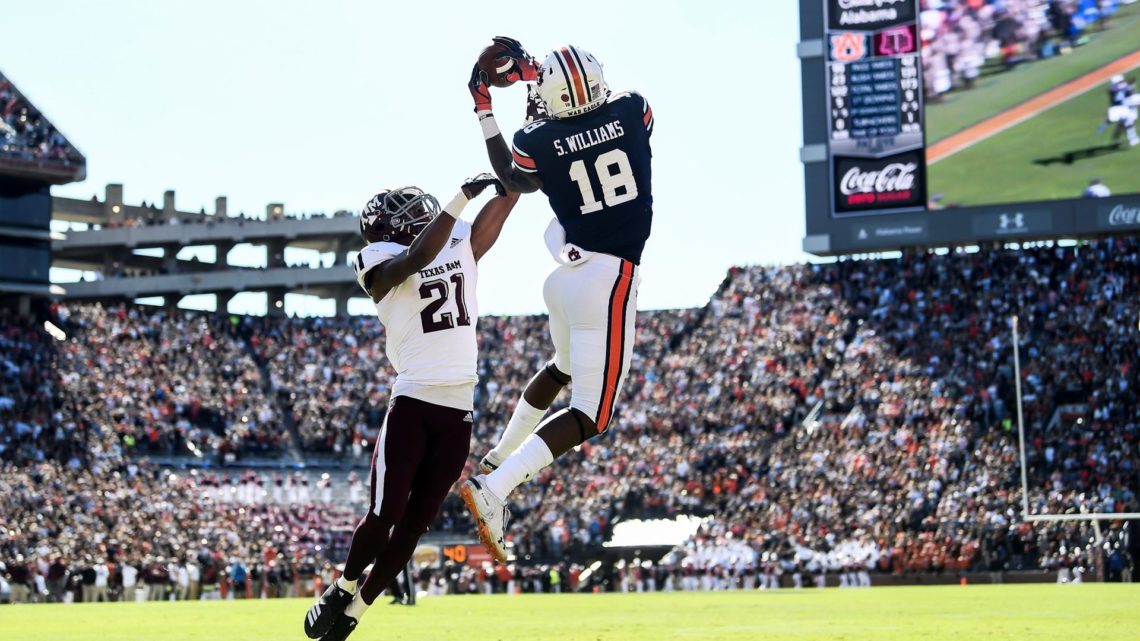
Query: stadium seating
point(841, 417)
point(166, 384)
point(26, 135)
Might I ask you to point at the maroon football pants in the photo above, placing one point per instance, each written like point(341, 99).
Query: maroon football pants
point(419, 455)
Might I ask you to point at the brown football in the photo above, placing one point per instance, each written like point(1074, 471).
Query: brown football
point(494, 62)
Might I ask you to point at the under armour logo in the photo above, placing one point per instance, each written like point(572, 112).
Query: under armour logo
point(1016, 221)
point(456, 241)
point(574, 255)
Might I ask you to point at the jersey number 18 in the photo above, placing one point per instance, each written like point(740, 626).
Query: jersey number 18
point(614, 175)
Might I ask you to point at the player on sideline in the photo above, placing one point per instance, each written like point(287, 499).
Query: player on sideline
point(420, 270)
point(591, 157)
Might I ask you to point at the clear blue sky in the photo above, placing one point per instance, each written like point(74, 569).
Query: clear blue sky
point(320, 104)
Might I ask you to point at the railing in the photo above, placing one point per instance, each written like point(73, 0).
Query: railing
point(231, 230)
point(236, 280)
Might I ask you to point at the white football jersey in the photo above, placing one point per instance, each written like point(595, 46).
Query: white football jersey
point(430, 318)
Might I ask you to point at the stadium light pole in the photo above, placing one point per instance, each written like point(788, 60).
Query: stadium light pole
point(1020, 419)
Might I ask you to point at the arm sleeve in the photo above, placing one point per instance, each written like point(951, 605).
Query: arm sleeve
point(522, 160)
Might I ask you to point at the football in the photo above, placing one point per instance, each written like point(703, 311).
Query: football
point(494, 61)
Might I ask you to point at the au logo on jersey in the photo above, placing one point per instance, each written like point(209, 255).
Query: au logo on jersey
point(848, 47)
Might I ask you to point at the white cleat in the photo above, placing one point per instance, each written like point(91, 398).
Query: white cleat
point(490, 515)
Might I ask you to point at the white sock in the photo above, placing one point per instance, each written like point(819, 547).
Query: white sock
point(356, 608)
point(532, 456)
point(347, 586)
point(523, 421)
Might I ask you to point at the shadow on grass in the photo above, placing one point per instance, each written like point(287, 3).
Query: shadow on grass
point(1070, 157)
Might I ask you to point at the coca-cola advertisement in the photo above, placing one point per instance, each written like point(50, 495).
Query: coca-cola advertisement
point(892, 183)
point(1119, 215)
point(868, 15)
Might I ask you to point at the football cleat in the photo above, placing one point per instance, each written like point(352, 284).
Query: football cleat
point(490, 515)
point(340, 630)
point(320, 618)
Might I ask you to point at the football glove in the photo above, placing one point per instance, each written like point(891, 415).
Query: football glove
point(525, 67)
point(480, 90)
point(535, 107)
point(472, 187)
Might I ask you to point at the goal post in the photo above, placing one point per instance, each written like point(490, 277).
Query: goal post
point(1084, 516)
point(1025, 515)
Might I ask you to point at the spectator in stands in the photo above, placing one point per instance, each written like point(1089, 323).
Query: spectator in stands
point(24, 133)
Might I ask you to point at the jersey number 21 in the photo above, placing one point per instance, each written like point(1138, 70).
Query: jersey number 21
point(438, 291)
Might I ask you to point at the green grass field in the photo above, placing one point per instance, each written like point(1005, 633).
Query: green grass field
point(1001, 169)
point(986, 613)
point(995, 93)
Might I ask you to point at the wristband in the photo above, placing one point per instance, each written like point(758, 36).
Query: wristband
point(487, 122)
point(455, 207)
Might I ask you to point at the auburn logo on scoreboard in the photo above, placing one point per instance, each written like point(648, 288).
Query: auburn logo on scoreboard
point(848, 47)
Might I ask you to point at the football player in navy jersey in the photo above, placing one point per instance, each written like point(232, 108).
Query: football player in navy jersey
point(590, 155)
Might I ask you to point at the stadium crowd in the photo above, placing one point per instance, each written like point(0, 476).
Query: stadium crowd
point(130, 531)
point(169, 384)
point(25, 134)
point(919, 455)
point(826, 419)
point(960, 36)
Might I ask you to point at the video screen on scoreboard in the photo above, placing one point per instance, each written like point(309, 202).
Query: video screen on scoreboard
point(938, 104)
point(1030, 100)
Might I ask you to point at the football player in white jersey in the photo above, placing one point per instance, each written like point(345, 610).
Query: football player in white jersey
point(419, 268)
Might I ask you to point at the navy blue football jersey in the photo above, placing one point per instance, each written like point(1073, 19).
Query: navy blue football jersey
point(596, 171)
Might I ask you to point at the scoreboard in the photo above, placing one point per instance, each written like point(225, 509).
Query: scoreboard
point(875, 99)
point(875, 178)
point(874, 93)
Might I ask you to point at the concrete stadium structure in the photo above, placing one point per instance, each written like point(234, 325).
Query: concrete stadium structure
point(121, 229)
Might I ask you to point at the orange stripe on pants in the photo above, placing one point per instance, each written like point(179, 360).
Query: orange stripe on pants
point(614, 344)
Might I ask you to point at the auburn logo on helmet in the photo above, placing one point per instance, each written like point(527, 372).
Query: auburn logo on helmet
point(848, 47)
